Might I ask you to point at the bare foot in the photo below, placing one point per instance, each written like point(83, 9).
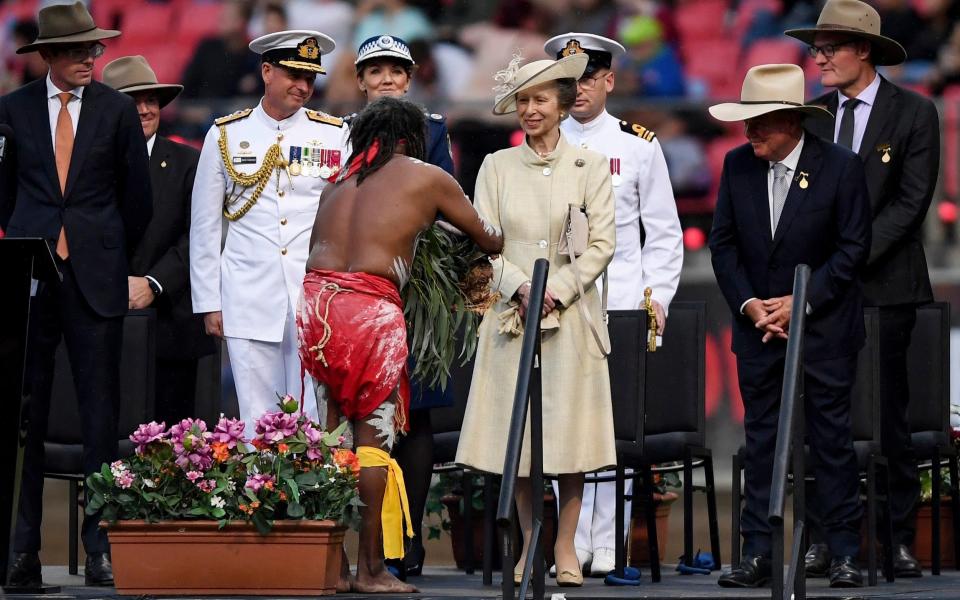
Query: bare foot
point(381, 583)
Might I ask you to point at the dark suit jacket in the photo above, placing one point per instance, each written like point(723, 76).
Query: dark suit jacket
point(163, 251)
point(106, 206)
point(900, 190)
point(825, 226)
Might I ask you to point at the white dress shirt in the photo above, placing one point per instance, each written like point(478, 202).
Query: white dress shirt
point(150, 142)
point(53, 108)
point(861, 114)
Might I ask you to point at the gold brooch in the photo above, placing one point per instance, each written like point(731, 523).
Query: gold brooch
point(885, 148)
point(803, 180)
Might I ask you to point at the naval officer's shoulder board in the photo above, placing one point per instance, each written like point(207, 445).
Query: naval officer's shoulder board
point(322, 117)
point(638, 130)
point(240, 114)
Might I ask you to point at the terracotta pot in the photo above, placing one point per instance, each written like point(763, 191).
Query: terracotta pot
point(922, 543)
point(639, 546)
point(297, 558)
point(457, 525)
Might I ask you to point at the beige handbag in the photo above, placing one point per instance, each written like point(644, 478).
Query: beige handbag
point(573, 243)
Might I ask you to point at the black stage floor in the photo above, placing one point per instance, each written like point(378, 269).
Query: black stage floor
point(443, 583)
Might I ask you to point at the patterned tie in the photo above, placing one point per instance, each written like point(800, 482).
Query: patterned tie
point(62, 153)
point(845, 138)
point(780, 187)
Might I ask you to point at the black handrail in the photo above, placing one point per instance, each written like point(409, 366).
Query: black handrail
point(790, 442)
point(527, 391)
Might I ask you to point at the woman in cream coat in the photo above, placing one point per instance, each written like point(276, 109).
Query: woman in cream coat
point(526, 191)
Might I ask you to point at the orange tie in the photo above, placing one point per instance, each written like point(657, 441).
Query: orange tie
point(62, 153)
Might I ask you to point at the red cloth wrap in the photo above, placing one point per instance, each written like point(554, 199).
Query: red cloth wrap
point(361, 355)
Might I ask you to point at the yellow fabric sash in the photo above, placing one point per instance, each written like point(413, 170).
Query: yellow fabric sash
point(396, 509)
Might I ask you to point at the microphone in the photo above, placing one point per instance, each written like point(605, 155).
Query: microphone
point(6, 137)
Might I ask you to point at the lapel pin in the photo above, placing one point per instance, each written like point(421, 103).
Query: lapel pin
point(885, 148)
point(803, 180)
point(163, 164)
point(579, 162)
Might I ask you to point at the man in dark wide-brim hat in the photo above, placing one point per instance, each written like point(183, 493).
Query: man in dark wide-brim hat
point(82, 183)
point(896, 133)
point(160, 265)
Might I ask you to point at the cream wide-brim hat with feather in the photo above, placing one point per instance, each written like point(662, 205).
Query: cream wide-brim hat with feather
point(514, 80)
point(766, 89)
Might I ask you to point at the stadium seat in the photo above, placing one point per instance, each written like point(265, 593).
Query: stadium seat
point(770, 51)
point(713, 62)
point(701, 19)
point(146, 23)
point(198, 20)
point(108, 14)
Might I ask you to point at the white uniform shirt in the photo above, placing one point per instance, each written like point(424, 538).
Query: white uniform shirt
point(643, 193)
point(258, 276)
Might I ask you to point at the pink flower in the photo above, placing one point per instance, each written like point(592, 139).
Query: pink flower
point(274, 427)
point(229, 432)
point(207, 485)
point(191, 445)
point(146, 434)
point(314, 441)
point(289, 404)
point(193, 476)
point(125, 480)
point(258, 481)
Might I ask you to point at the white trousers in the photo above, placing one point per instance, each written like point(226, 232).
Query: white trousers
point(598, 512)
point(261, 370)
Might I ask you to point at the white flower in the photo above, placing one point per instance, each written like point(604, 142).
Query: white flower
point(117, 469)
point(217, 502)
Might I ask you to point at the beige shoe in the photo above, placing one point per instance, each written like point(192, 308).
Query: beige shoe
point(567, 578)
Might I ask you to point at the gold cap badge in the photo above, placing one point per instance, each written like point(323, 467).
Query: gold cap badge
point(572, 47)
point(309, 49)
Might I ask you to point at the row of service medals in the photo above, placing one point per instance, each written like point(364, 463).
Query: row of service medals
point(313, 161)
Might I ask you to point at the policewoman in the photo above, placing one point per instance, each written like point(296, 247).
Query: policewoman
point(385, 67)
point(649, 251)
point(263, 169)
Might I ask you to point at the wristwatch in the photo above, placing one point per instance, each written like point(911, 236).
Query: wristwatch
point(153, 286)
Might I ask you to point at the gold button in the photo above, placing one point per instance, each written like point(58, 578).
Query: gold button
point(283, 251)
point(281, 193)
point(283, 221)
point(279, 137)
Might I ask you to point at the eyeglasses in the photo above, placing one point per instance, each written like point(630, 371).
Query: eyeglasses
point(828, 50)
point(82, 53)
point(589, 83)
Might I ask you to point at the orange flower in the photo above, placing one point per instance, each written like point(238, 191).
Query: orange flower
point(283, 448)
point(220, 451)
point(347, 459)
point(283, 496)
point(268, 485)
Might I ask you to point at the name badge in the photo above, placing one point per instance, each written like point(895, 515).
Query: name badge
point(244, 160)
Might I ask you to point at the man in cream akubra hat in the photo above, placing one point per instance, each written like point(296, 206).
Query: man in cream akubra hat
point(649, 250)
point(896, 133)
point(789, 198)
point(82, 183)
point(160, 266)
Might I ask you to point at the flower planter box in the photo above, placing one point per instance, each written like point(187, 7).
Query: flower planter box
point(297, 558)
point(639, 544)
point(922, 544)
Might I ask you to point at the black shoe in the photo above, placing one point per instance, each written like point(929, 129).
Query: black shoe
point(904, 564)
point(97, 569)
point(816, 561)
point(753, 571)
point(25, 570)
point(844, 572)
point(413, 559)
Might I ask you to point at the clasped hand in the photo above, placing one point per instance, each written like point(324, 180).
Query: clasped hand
point(772, 316)
point(550, 301)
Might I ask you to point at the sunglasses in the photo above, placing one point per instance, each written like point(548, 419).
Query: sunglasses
point(82, 53)
point(828, 50)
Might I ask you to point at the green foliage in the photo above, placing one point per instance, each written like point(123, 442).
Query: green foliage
point(435, 306)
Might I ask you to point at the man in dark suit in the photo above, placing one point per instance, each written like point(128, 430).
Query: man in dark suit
point(82, 183)
point(790, 198)
point(160, 267)
point(896, 133)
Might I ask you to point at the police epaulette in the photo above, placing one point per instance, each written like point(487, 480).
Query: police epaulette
point(637, 130)
point(434, 117)
point(321, 117)
point(240, 114)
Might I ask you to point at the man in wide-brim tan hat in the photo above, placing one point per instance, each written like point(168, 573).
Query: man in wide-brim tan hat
point(790, 198)
point(160, 266)
point(896, 133)
point(82, 183)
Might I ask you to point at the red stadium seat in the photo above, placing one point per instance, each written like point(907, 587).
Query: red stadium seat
point(717, 149)
point(772, 50)
point(197, 21)
point(146, 23)
point(107, 14)
point(715, 63)
point(701, 19)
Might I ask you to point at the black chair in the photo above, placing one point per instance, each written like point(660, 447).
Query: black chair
point(663, 420)
point(64, 445)
point(865, 418)
point(928, 369)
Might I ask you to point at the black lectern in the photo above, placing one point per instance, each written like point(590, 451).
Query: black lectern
point(22, 260)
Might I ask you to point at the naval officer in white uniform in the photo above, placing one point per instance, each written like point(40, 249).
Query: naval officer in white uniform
point(649, 250)
point(264, 169)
